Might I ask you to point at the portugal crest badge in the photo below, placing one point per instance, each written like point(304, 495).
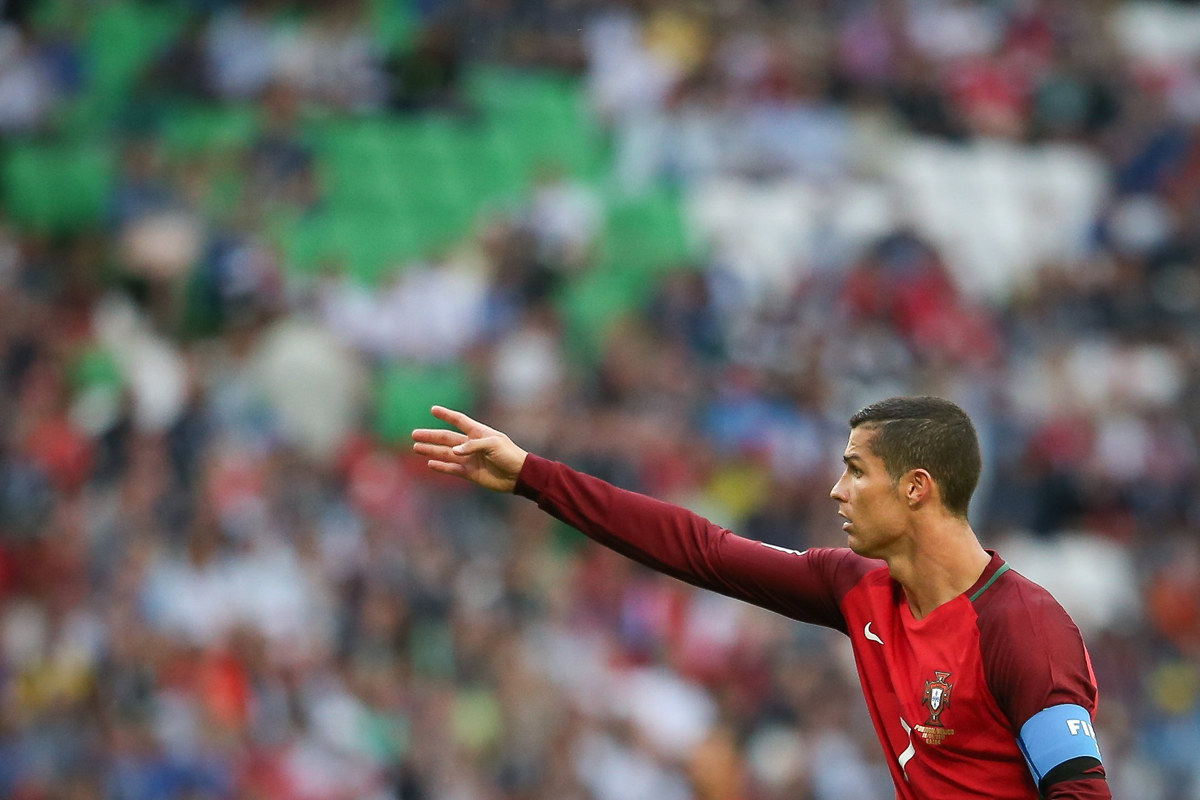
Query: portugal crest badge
point(936, 700)
point(937, 696)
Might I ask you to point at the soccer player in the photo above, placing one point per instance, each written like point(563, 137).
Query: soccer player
point(977, 681)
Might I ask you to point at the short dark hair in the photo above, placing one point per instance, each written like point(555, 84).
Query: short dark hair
point(926, 433)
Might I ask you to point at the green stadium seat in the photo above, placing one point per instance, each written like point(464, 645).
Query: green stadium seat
point(505, 90)
point(369, 161)
point(120, 38)
point(405, 392)
point(410, 186)
point(57, 188)
point(487, 180)
point(303, 243)
point(95, 367)
point(545, 117)
point(198, 129)
point(368, 242)
point(647, 234)
point(124, 37)
point(591, 305)
point(644, 239)
point(394, 23)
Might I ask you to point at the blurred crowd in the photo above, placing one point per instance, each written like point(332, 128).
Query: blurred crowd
point(220, 579)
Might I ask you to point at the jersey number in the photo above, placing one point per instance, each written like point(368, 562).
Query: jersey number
point(909, 752)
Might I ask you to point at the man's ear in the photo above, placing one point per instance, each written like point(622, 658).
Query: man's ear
point(918, 487)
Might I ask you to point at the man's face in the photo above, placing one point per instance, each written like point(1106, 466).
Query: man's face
point(868, 499)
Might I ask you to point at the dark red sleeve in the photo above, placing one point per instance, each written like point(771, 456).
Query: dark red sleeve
point(806, 586)
point(1032, 652)
point(1034, 658)
point(1094, 788)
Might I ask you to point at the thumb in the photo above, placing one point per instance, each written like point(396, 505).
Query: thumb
point(476, 445)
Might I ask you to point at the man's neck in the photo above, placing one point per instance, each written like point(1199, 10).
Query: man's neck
point(937, 566)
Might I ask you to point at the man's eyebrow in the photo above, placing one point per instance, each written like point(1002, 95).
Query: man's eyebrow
point(848, 459)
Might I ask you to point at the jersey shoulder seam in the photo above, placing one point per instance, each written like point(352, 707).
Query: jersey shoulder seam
point(1005, 567)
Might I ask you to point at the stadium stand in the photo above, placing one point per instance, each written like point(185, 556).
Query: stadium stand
point(245, 245)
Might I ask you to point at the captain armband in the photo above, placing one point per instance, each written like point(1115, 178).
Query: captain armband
point(1059, 743)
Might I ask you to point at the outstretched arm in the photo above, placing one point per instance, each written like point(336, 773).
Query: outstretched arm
point(805, 586)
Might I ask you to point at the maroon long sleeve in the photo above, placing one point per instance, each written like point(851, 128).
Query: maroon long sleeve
point(956, 743)
point(1082, 789)
point(807, 587)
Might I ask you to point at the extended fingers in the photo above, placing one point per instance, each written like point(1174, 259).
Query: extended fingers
point(447, 468)
point(440, 452)
point(438, 436)
point(456, 418)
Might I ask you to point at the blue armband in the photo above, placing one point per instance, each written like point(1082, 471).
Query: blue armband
point(1056, 736)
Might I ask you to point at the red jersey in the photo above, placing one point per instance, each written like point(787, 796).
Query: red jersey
point(989, 696)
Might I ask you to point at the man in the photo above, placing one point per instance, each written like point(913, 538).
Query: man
point(977, 681)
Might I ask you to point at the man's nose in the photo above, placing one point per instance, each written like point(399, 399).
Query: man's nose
point(836, 492)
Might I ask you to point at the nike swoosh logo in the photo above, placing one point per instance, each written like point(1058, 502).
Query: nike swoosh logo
point(871, 636)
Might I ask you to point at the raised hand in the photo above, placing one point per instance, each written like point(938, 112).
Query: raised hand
point(480, 454)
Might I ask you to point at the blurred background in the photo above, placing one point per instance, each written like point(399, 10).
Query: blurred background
point(245, 245)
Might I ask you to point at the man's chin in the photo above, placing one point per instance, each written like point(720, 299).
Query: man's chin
point(857, 545)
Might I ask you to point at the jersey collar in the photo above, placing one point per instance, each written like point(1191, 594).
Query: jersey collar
point(994, 569)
